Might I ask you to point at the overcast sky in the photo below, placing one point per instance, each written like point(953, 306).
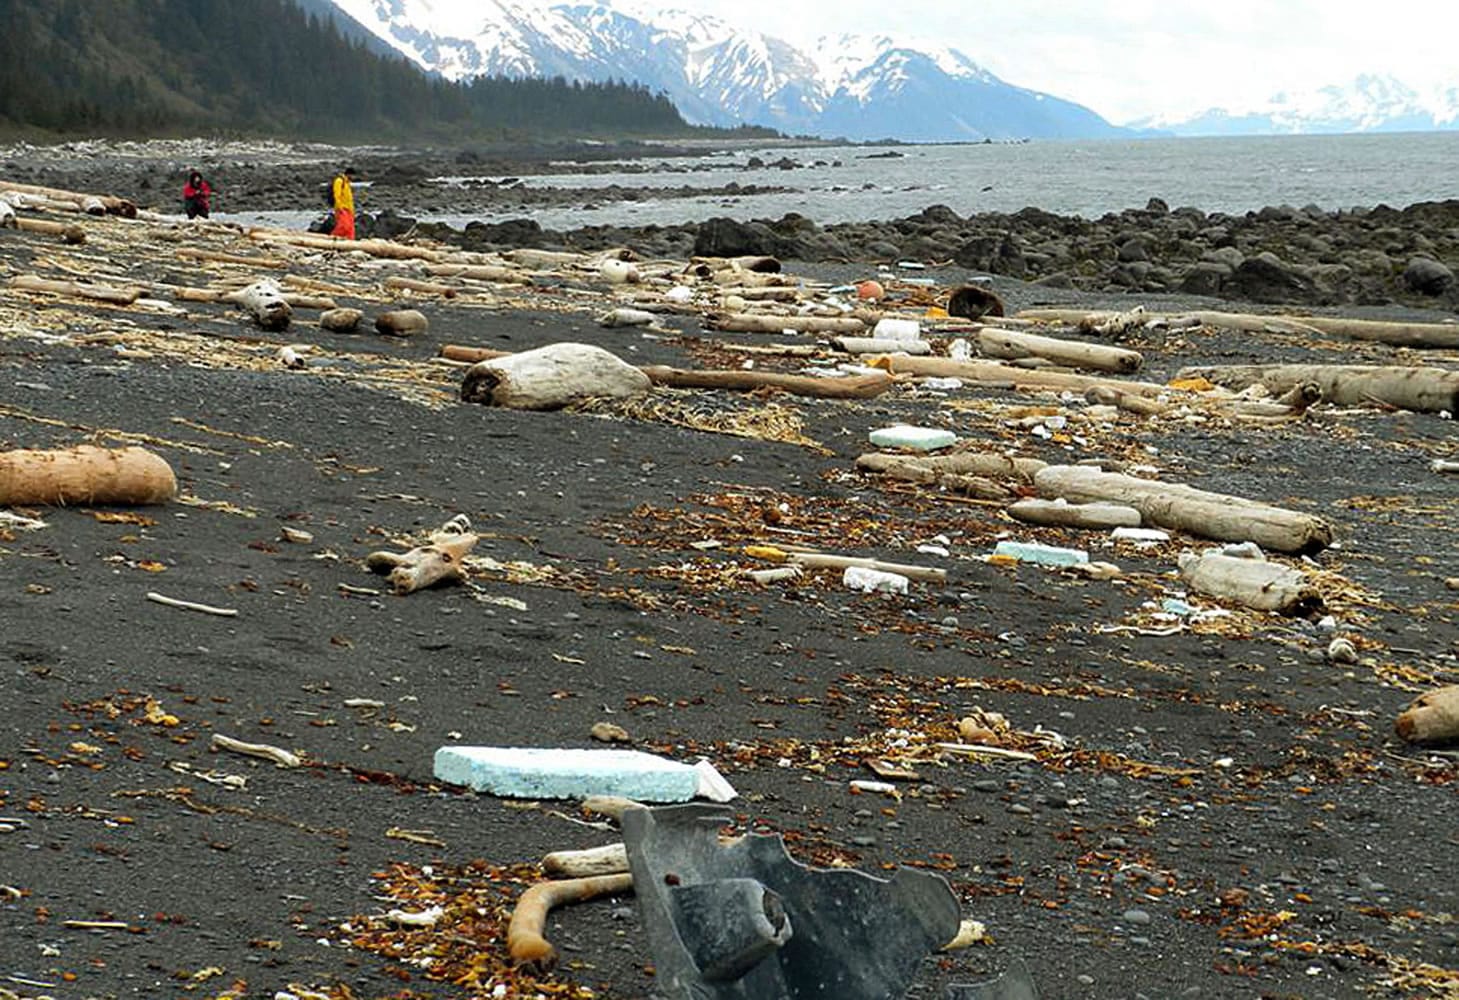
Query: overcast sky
point(1130, 58)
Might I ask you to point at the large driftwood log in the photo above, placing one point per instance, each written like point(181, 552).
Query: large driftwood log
point(1100, 516)
point(1432, 718)
point(927, 468)
point(398, 284)
point(1422, 389)
point(1185, 508)
point(108, 203)
point(426, 565)
point(1255, 583)
point(854, 387)
point(1399, 334)
point(76, 289)
point(999, 343)
point(481, 272)
point(756, 323)
point(69, 232)
point(85, 474)
point(552, 377)
point(265, 302)
point(1019, 378)
point(880, 345)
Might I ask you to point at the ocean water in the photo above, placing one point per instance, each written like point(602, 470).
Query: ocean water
point(1084, 178)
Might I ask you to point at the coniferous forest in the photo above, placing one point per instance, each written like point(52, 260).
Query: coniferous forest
point(155, 68)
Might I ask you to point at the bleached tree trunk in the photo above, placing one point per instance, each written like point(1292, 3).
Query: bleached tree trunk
point(1019, 378)
point(552, 377)
point(999, 343)
point(1421, 389)
point(1255, 583)
point(76, 289)
point(1100, 516)
point(755, 323)
point(1399, 334)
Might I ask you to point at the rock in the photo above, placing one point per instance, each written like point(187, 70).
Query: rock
point(1268, 278)
point(725, 237)
point(1427, 276)
point(1205, 278)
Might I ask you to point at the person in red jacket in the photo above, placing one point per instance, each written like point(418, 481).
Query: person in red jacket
point(195, 195)
point(343, 195)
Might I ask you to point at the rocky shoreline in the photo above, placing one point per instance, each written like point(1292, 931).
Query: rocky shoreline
point(1278, 255)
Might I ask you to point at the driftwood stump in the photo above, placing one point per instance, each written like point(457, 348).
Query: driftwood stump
point(552, 377)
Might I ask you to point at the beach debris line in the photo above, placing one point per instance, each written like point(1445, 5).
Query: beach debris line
point(85, 474)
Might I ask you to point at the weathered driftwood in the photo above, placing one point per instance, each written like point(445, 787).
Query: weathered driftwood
point(402, 322)
point(425, 565)
point(265, 302)
point(1185, 508)
point(1255, 583)
point(526, 943)
point(1106, 395)
point(771, 293)
point(69, 232)
point(1399, 334)
point(756, 323)
point(108, 203)
point(824, 560)
point(1432, 718)
point(928, 468)
point(880, 345)
point(480, 272)
point(346, 320)
point(218, 257)
point(751, 263)
point(624, 316)
point(7, 216)
point(552, 377)
point(999, 343)
point(1421, 389)
point(1100, 516)
point(546, 259)
point(396, 284)
point(853, 387)
point(1019, 378)
point(610, 859)
point(85, 474)
point(263, 751)
point(463, 352)
point(76, 289)
point(375, 248)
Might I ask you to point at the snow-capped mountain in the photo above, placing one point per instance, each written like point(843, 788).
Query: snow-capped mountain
point(1369, 103)
point(860, 87)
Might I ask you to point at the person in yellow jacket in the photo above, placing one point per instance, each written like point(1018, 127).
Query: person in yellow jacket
point(344, 204)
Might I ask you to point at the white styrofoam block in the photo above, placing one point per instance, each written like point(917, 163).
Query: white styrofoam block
point(558, 773)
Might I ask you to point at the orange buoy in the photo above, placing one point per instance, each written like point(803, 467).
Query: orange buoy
point(869, 289)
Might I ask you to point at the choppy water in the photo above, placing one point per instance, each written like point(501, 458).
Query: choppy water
point(1088, 178)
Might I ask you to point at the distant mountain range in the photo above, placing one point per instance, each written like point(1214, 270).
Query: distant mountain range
point(857, 87)
point(1369, 103)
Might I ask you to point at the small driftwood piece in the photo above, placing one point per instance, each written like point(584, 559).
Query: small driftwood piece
point(929, 468)
point(1432, 718)
point(1255, 583)
point(206, 609)
point(265, 302)
point(612, 806)
point(402, 322)
point(880, 345)
point(1018, 378)
point(425, 565)
point(757, 323)
point(1185, 508)
point(76, 289)
point(480, 272)
point(345, 320)
point(1109, 396)
point(280, 756)
point(85, 474)
point(610, 859)
point(851, 387)
point(526, 942)
point(551, 377)
point(999, 343)
point(1423, 389)
point(1099, 516)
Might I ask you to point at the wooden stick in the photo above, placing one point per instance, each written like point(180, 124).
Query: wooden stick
point(822, 560)
point(85, 474)
point(526, 942)
point(96, 925)
point(206, 609)
point(280, 757)
point(610, 859)
point(1102, 516)
point(69, 232)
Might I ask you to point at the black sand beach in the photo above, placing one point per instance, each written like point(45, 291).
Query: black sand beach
point(1216, 806)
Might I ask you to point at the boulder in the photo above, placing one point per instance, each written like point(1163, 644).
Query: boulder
point(1427, 276)
point(1268, 278)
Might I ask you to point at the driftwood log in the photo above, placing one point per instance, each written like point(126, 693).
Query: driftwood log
point(880, 345)
point(1255, 583)
point(69, 232)
point(108, 203)
point(927, 468)
point(757, 323)
point(1105, 395)
point(526, 941)
point(397, 284)
point(1399, 334)
point(611, 859)
point(999, 343)
point(851, 387)
point(85, 474)
point(1018, 378)
point(76, 289)
point(1432, 718)
point(1185, 508)
point(1423, 389)
point(480, 272)
point(551, 377)
point(265, 302)
point(426, 565)
point(825, 560)
point(218, 257)
point(1099, 516)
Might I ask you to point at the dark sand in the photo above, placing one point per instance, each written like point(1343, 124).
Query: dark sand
point(1232, 815)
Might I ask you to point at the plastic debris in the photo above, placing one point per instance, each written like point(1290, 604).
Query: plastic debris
point(918, 438)
point(871, 581)
point(558, 773)
point(1040, 555)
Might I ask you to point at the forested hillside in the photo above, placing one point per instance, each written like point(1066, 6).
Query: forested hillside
point(184, 67)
